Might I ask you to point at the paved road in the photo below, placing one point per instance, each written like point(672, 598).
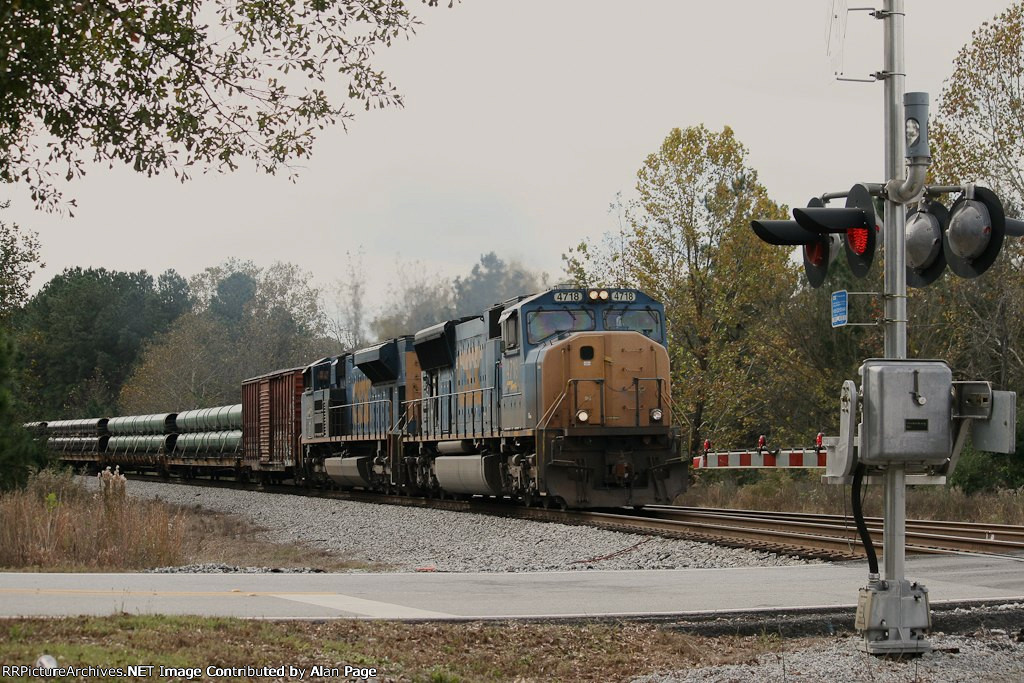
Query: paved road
point(489, 595)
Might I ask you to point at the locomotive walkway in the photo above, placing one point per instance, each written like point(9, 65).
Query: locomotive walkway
point(458, 596)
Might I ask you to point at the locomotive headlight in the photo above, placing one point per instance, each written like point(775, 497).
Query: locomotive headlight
point(657, 415)
point(604, 295)
point(582, 416)
point(593, 294)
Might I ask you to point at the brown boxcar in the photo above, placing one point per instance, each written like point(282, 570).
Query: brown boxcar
point(271, 427)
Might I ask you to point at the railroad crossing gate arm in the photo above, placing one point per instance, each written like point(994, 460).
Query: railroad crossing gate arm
point(778, 458)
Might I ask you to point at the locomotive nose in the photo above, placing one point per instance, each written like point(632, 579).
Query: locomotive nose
point(607, 379)
point(625, 450)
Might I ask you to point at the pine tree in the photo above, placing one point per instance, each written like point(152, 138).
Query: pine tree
point(19, 453)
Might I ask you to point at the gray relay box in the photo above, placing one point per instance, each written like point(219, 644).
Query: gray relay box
point(907, 412)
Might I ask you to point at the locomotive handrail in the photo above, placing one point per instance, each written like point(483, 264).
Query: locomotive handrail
point(434, 428)
point(636, 388)
point(600, 381)
point(367, 410)
point(546, 418)
point(672, 406)
point(402, 420)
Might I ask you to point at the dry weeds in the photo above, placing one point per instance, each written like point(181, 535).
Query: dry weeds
point(57, 524)
point(509, 651)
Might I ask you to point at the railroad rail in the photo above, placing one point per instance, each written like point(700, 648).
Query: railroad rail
point(816, 536)
point(839, 533)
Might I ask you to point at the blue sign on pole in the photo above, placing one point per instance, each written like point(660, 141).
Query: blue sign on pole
point(840, 308)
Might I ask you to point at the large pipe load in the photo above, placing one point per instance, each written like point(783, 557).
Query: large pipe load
point(221, 418)
point(141, 443)
point(162, 423)
point(77, 444)
point(80, 427)
point(209, 443)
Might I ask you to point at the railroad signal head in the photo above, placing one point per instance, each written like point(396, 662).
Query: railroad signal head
point(926, 232)
point(820, 229)
point(856, 224)
point(817, 248)
point(975, 235)
point(967, 237)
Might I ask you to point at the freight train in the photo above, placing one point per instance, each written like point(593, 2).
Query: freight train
point(559, 398)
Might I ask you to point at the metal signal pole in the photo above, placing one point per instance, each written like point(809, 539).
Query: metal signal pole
point(895, 283)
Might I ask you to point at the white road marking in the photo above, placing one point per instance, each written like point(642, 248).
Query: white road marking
point(362, 607)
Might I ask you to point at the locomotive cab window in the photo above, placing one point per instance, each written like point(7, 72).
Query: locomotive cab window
point(541, 325)
point(646, 321)
point(510, 333)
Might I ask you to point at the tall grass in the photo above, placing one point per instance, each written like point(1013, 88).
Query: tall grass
point(57, 523)
point(780, 490)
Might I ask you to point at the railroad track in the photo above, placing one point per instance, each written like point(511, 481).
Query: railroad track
point(829, 537)
point(839, 533)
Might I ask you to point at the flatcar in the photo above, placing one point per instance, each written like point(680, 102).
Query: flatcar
point(559, 398)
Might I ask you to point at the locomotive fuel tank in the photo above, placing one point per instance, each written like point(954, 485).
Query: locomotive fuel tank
point(353, 471)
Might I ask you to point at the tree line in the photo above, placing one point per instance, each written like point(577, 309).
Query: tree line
point(94, 342)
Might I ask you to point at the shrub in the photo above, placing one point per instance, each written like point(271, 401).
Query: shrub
point(56, 523)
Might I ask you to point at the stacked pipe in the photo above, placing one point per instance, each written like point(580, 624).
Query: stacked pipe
point(88, 435)
point(35, 428)
point(209, 431)
point(142, 433)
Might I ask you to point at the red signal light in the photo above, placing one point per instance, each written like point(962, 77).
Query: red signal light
point(857, 238)
point(817, 253)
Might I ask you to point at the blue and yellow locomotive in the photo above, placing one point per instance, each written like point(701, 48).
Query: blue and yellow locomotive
point(558, 398)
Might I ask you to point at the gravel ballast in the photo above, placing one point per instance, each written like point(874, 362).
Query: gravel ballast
point(417, 539)
point(989, 656)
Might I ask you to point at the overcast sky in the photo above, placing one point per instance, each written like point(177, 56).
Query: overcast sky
point(522, 121)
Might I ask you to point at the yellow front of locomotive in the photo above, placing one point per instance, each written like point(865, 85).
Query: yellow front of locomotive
point(605, 434)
